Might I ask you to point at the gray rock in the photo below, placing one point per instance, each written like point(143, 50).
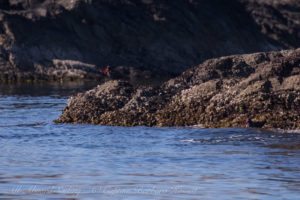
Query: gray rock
point(221, 92)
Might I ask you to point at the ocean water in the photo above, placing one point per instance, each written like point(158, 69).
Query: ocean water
point(43, 160)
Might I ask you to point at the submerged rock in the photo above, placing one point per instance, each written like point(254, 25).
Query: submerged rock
point(221, 92)
point(77, 39)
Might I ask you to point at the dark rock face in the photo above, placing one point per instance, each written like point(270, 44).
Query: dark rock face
point(64, 39)
point(222, 92)
point(277, 19)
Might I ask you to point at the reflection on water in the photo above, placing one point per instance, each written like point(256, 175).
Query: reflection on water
point(46, 89)
point(42, 160)
point(286, 146)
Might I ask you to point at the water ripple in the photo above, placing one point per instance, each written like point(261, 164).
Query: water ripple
point(43, 160)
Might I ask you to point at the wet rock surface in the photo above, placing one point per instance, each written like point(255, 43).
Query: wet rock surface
point(221, 92)
point(77, 39)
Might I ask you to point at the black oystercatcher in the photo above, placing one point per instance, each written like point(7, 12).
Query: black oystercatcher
point(250, 124)
point(106, 71)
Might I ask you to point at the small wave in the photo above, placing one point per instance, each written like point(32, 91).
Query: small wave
point(206, 141)
point(226, 139)
point(278, 130)
point(188, 140)
point(196, 126)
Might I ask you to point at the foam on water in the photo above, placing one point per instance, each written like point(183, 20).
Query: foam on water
point(278, 130)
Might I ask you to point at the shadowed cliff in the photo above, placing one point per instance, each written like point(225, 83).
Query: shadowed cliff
point(64, 39)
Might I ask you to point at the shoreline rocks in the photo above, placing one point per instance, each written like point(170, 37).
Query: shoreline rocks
point(221, 92)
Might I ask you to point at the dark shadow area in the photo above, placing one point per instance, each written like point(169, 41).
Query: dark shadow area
point(277, 20)
point(163, 36)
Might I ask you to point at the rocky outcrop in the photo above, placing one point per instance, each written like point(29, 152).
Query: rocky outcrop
point(222, 92)
point(76, 39)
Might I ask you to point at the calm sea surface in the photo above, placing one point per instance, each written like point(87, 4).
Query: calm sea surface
point(43, 160)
